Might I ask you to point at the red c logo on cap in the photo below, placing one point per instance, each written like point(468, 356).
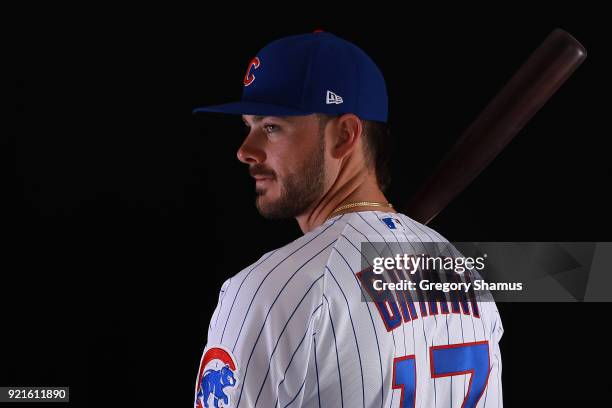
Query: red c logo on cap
point(248, 77)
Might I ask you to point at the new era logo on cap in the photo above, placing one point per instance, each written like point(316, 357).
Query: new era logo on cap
point(333, 98)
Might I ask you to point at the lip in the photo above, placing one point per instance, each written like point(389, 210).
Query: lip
point(262, 180)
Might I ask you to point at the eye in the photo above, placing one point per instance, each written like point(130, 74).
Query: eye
point(269, 127)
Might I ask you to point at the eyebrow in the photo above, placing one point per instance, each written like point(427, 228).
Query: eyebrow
point(259, 118)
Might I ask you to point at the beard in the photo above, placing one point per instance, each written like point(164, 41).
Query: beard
point(298, 190)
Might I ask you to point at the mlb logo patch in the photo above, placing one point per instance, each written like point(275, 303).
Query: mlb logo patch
point(392, 223)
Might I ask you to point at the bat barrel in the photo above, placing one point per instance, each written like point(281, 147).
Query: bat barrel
point(546, 69)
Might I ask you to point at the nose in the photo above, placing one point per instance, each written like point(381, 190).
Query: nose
point(251, 151)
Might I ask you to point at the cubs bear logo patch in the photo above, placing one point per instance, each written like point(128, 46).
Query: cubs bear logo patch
point(217, 375)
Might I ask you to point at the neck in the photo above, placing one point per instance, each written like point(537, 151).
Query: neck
point(361, 185)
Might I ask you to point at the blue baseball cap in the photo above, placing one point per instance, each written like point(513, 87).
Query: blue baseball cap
point(311, 73)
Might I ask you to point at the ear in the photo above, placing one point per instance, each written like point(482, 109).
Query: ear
point(347, 130)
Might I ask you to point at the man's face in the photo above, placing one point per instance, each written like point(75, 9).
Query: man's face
point(286, 157)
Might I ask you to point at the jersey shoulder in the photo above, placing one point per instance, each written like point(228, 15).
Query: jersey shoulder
point(287, 278)
point(306, 256)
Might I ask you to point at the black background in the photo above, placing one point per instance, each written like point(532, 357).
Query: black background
point(128, 212)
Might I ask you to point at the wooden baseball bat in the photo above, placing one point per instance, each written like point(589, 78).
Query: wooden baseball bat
point(546, 69)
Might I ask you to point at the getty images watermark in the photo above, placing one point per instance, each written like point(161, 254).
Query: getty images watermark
point(452, 274)
point(413, 264)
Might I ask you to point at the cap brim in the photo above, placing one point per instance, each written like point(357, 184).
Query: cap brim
point(252, 108)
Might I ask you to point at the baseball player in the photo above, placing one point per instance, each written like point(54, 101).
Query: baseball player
point(300, 327)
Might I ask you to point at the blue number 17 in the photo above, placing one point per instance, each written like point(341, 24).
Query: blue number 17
point(446, 361)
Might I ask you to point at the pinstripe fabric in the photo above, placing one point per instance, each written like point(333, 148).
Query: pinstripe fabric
point(301, 335)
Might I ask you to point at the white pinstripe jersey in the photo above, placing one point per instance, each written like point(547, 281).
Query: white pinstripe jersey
point(291, 330)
